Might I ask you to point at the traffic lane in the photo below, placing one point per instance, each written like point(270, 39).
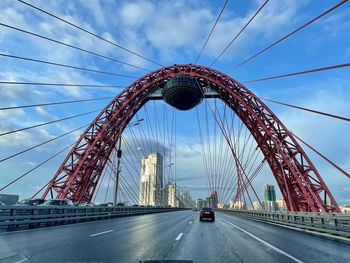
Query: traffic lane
point(86, 225)
point(62, 231)
point(307, 247)
point(217, 241)
point(45, 243)
point(143, 243)
point(175, 235)
point(32, 240)
point(78, 242)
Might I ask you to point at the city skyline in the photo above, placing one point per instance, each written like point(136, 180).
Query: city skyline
point(154, 191)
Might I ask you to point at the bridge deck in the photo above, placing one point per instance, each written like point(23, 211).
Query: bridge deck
point(170, 236)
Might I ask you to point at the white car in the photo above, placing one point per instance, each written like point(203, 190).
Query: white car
point(58, 202)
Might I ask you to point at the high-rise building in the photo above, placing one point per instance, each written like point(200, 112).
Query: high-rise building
point(239, 205)
point(345, 208)
point(214, 199)
point(200, 203)
point(170, 194)
point(184, 198)
point(230, 204)
point(273, 193)
point(269, 193)
point(221, 205)
point(258, 206)
point(208, 201)
point(270, 206)
point(281, 204)
point(151, 180)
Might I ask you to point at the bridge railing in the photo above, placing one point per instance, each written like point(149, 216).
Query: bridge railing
point(331, 223)
point(12, 217)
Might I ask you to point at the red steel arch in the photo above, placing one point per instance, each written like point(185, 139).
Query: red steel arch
point(300, 183)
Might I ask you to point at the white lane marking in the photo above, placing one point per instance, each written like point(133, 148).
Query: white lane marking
point(179, 237)
point(69, 225)
point(308, 231)
point(22, 260)
point(190, 222)
point(136, 218)
point(101, 233)
point(263, 241)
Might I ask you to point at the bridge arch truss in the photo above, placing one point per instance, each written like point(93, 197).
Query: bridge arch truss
point(299, 181)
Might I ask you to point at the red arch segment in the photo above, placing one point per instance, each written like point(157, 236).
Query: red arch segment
point(299, 181)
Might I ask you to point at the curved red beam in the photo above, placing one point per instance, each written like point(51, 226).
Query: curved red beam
point(300, 183)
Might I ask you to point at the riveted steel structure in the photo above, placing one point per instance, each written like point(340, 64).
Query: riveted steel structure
point(182, 92)
point(300, 183)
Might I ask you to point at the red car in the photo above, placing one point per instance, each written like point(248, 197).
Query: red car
point(207, 213)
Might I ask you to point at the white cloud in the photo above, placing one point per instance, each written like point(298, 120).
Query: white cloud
point(135, 15)
point(336, 23)
point(325, 134)
point(97, 11)
point(176, 29)
point(44, 114)
point(180, 29)
point(137, 43)
point(32, 164)
point(15, 114)
point(169, 31)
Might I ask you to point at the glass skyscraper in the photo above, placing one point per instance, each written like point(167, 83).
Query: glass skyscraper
point(269, 192)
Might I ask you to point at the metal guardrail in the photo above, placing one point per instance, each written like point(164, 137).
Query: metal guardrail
point(12, 217)
point(331, 223)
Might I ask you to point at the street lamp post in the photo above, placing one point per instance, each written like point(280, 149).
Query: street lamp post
point(176, 187)
point(119, 156)
point(165, 197)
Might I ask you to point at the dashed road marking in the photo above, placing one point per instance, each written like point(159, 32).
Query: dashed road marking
point(101, 233)
point(22, 260)
point(179, 237)
point(69, 225)
point(14, 259)
point(263, 241)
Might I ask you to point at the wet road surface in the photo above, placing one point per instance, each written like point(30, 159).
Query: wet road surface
point(170, 236)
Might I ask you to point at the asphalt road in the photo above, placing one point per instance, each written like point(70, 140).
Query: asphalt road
point(170, 236)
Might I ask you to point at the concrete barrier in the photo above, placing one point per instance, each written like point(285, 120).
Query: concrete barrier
point(15, 217)
point(331, 223)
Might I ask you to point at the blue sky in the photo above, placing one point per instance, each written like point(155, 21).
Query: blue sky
point(173, 32)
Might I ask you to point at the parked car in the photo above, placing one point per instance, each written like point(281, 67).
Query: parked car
point(85, 204)
point(120, 204)
point(207, 213)
point(110, 204)
point(194, 209)
point(57, 202)
point(30, 202)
